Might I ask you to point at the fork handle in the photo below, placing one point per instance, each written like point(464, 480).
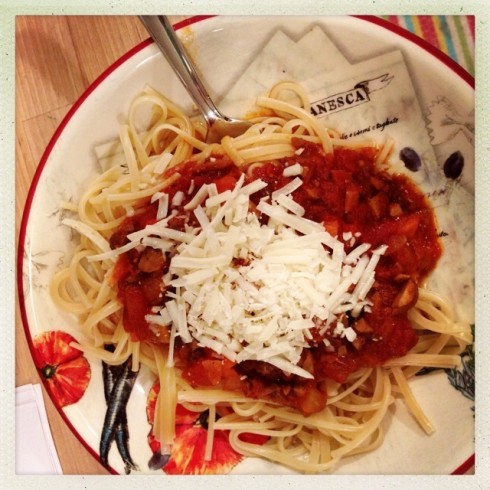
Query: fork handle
point(162, 32)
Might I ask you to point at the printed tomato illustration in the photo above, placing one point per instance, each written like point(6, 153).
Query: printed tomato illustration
point(187, 456)
point(64, 368)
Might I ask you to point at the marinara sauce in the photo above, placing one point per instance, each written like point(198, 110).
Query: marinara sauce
point(353, 198)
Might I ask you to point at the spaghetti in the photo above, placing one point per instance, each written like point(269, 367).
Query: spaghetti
point(161, 233)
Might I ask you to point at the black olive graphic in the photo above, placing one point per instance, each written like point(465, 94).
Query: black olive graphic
point(410, 158)
point(453, 166)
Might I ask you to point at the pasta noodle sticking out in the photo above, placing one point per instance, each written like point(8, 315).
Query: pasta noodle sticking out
point(274, 279)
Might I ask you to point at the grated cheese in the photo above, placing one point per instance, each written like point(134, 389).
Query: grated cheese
point(198, 198)
point(162, 162)
point(289, 188)
point(290, 204)
point(294, 276)
point(163, 203)
point(178, 198)
point(293, 170)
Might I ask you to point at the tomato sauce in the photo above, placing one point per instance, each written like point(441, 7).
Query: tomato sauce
point(352, 197)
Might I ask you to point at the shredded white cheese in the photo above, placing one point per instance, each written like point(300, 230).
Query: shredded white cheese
point(293, 170)
point(250, 290)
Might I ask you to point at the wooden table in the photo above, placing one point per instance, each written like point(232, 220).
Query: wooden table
point(57, 57)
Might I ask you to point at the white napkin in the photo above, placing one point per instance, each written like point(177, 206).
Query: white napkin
point(35, 452)
point(281, 59)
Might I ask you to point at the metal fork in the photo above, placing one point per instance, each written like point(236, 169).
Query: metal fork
point(219, 125)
